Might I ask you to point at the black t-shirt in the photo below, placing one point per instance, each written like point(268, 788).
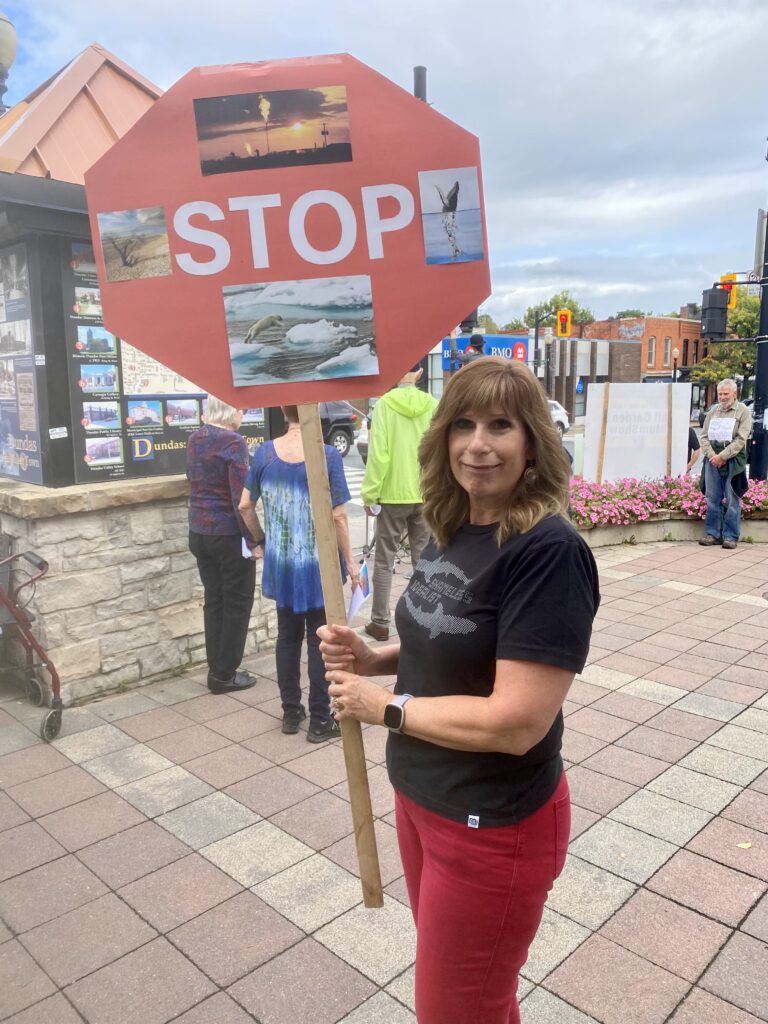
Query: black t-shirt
point(467, 606)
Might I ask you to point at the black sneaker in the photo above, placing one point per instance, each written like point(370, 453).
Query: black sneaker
point(319, 732)
point(291, 719)
point(241, 680)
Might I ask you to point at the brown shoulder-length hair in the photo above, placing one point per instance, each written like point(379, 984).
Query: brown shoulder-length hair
point(493, 384)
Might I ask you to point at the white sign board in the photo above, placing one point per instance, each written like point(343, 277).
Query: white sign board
point(721, 429)
point(642, 428)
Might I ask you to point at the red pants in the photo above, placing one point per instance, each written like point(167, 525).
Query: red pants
point(477, 897)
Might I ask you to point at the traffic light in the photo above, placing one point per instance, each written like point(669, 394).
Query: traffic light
point(714, 314)
point(564, 317)
point(729, 287)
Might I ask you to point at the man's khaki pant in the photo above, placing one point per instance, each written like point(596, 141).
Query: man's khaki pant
point(392, 523)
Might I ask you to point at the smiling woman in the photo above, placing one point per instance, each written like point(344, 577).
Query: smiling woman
point(488, 454)
point(494, 624)
point(493, 441)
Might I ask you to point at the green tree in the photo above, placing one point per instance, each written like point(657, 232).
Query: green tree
point(514, 326)
point(733, 358)
point(622, 313)
point(563, 300)
point(743, 321)
point(486, 320)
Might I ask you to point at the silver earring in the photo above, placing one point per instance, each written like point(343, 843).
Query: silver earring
point(530, 474)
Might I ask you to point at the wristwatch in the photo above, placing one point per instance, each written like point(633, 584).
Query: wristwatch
point(394, 712)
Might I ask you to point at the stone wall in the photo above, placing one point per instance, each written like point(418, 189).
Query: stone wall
point(122, 601)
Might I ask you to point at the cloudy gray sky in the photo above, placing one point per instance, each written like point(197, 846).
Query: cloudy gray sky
point(623, 141)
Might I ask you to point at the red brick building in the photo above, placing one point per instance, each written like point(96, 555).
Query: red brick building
point(664, 340)
point(630, 350)
point(567, 366)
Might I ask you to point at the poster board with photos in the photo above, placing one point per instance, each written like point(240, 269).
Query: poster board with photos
point(302, 230)
point(20, 439)
point(636, 430)
point(131, 416)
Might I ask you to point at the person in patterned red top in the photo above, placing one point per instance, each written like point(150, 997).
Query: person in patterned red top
point(217, 466)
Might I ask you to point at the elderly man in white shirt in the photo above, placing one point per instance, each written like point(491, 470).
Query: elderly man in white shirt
point(724, 442)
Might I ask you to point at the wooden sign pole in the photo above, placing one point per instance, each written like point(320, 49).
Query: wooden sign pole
point(603, 429)
point(336, 614)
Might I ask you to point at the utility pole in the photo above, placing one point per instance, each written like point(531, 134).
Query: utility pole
point(758, 466)
point(758, 463)
point(420, 83)
point(420, 92)
point(538, 320)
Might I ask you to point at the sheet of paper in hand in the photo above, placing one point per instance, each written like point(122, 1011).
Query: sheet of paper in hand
point(359, 594)
point(721, 428)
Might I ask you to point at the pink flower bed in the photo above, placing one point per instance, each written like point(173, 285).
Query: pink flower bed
point(635, 501)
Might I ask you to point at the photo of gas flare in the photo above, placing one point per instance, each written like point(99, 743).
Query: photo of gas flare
point(450, 215)
point(284, 128)
point(316, 329)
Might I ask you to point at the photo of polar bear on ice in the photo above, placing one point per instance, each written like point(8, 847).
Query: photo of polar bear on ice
point(315, 329)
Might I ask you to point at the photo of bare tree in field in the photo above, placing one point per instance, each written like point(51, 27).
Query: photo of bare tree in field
point(135, 244)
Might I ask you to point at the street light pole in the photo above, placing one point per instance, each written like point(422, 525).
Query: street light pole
point(758, 463)
point(7, 56)
point(538, 320)
point(675, 357)
point(420, 92)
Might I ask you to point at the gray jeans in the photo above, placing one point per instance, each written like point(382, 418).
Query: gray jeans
point(391, 524)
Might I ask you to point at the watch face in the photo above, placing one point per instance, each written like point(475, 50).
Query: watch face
point(393, 716)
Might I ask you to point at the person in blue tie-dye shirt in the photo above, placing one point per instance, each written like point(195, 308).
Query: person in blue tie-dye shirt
point(291, 574)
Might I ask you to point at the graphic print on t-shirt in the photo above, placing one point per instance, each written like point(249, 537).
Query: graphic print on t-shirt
point(430, 612)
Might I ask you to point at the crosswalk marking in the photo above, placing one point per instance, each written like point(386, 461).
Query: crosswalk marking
point(354, 483)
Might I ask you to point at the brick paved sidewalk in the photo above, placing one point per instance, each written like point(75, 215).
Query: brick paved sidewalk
point(174, 857)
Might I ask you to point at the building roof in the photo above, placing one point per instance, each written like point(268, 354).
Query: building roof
point(68, 122)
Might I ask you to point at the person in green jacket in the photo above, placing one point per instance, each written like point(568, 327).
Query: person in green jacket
point(391, 483)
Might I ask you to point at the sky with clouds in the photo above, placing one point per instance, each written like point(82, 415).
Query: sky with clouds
point(623, 141)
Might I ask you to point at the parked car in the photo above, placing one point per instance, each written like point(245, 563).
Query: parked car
point(339, 421)
point(559, 416)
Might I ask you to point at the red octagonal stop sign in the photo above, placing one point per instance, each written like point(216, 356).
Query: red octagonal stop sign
point(289, 232)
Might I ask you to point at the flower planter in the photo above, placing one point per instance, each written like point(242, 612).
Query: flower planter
point(671, 508)
point(665, 526)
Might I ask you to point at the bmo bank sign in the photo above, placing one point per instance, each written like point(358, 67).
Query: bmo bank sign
point(493, 345)
point(267, 231)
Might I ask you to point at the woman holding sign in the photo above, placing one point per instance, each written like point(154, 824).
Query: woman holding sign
point(291, 574)
point(493, 626)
